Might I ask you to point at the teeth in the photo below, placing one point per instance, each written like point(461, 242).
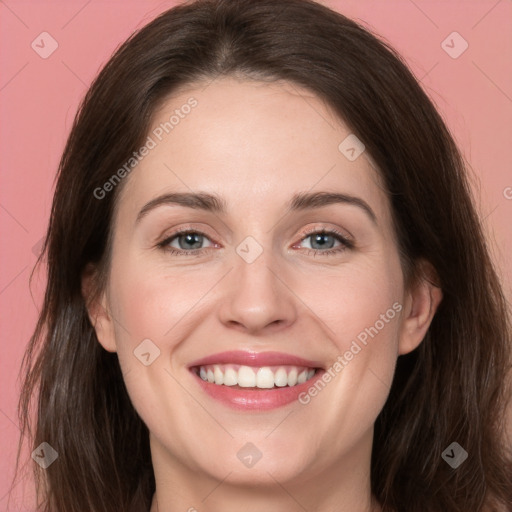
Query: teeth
point(292, 377)
point(265, 377)
point(302, 377)
point(246, 377)
point(230, 377)
point(218, 375)
point(280, 378)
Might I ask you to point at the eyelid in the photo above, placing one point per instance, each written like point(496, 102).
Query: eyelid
point(346, 236)
point(174, 232)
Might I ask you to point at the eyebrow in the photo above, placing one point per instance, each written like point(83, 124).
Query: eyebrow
point(216, 204)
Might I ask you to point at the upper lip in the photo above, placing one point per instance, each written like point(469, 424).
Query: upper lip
point(258, 359)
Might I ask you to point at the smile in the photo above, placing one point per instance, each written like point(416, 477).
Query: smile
point(265, 377)
point(251, 381)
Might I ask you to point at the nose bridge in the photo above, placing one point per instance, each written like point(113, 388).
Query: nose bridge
point(254, 262)
point(258, 297)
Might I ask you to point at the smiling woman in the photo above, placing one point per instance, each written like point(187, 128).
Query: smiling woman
point(286, 303)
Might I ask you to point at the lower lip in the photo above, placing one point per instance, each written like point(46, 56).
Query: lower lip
point(255, 399)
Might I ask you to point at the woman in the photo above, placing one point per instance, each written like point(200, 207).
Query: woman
point(193, 354)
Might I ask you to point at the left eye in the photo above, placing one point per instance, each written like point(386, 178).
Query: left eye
point(188, 241)
point(318, 240)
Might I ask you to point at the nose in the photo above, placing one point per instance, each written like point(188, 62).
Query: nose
point(257, 298)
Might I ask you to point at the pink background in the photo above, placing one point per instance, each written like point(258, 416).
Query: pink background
point(39, 97)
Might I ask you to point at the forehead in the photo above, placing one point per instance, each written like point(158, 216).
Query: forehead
point(254, 143)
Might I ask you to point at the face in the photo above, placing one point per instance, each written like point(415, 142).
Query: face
point(284, 270)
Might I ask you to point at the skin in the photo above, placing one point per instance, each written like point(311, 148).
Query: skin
point(256, 144)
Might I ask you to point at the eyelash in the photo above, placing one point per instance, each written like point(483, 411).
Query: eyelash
point(345, 242)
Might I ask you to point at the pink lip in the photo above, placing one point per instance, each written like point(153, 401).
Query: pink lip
point(255, 399)
point(255, 359)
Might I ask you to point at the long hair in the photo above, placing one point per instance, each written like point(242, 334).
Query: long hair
point(452, 388)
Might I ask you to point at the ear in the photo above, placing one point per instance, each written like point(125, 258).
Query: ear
point(420, 305)
point(97, 310)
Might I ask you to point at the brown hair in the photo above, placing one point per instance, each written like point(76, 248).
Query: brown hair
point(451, 388)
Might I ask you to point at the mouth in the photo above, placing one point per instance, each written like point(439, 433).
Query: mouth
point(251, 378)
point(255, 381)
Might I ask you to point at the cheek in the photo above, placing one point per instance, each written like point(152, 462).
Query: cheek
point(361, 307)
point(151, 310)
point(151, 303)
point(359, 303)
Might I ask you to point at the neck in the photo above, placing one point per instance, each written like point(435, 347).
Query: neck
point(373, 506)
point(343, 486)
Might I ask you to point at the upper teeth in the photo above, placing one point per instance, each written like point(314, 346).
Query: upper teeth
point(261, 377)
